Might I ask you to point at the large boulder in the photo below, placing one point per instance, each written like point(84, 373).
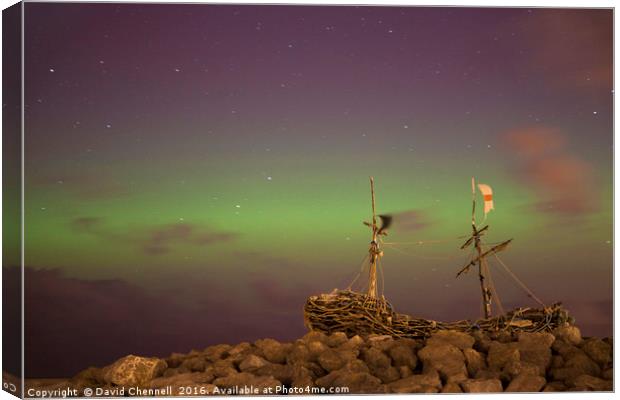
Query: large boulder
point(568, 333)
point(133, 371)
point(283, 373)
point(272, 350)
point(526, 383)
point(222, 368)
point(482, 386)
point(457, 339)
point(331, 360)
point(446, 358)
point(501, 354)
point(298, 354)
point(403, 355)
point(251, 363)
point(336, 339)
point(587, 382)
point(597, 350)
point(474, 360)
point(376, 359)
point(575, 365)
point(313, 336)
point(360, 383)
point(416, 383)
point(218, 352)
point(194, 364)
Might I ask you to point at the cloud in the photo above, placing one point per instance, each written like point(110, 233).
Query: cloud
point(564, 183)
point(410, 221)
point(154, 240)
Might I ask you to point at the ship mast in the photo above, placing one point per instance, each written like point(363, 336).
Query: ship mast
point(475, 238)
point(373, 250)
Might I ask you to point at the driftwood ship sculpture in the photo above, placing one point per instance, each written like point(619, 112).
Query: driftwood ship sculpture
point(364, 313)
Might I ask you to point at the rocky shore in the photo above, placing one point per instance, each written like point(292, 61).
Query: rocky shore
point(447, 362)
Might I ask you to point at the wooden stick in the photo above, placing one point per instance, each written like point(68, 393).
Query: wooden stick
point(373, 250)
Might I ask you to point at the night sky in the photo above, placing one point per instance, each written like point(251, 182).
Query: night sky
point(194, 172)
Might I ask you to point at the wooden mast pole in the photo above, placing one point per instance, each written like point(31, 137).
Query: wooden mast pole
point(374, 249)
point(486, 294)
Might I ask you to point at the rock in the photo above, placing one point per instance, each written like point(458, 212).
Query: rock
point(579, 364)
point(243, 379)
point(536, 354)
point(381, 342)
point(403, 355)
point(355, 366)
point(535, 339)
point(251, 363)
point(500, 354)
point(272, 350)
point(592, 383)
point(458, 339)
point(175, 360)
point(298, 354)
point(360, 383)
point(283, 373)
point(336, 339)
point(555, 386)
point(564, 348)
point(568, 333)
point(331, 360)
point(482, 386)
point(222, 368)
point(315, 336)
point(483, 342)
point(488, 374)
point(387, 375)
point(316, 348)
point(405, 371)
point(474, 361)
point(376, 359)
point(597, 350)
point(133, 371)
point(238, 353)
point(218, 352)
point(557, 361)
point(526, 383)
point(92, 375)
point(416, 383)
point(240, 349)
point(451, 387)
point(195, 364)
point(353, 343)
point(447, 359)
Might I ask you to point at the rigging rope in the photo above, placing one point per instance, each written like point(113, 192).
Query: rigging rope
point(487, 271)
point(523, 286)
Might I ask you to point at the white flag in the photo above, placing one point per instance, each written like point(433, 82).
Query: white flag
point(487, 195)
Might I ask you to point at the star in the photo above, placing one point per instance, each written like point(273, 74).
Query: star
point(238, 206)
point(52, 70)
point(269, 178)
point(108, 126)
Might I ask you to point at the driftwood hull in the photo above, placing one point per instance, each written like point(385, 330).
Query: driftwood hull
point(357, 314)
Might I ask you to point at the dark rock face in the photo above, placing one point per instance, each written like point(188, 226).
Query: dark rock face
point(447, 362)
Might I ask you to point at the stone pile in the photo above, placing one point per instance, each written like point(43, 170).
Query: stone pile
point(447, 362)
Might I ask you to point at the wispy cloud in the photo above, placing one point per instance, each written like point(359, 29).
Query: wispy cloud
point(154, 240)
point(564, 183)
